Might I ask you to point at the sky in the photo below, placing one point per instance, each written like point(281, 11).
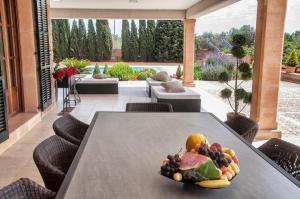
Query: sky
point(236, 15)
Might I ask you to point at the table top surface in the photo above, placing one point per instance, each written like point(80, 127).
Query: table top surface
point(121, 155)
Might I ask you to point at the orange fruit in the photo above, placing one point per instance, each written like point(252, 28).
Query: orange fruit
point(195, 141)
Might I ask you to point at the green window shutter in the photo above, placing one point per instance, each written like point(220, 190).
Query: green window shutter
point(43, 53)
point(3, 114)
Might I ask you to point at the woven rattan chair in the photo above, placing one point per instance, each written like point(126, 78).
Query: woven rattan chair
point(25, 188)
point(285, 154)
point(70, 128)
point(53, 158)
point(149, 107)
point(244, 126)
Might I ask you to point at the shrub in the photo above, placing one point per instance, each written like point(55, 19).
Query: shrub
point(229, 66)
point(239, 40)
point(142, 76)
point(179, 72)
point(80, 64)
point(238, 52)
point(197, 72)
point(211, 61)
point(292, 59)
point(212, 73)
point(121, 70)
point(96, 69)
point(105, 71)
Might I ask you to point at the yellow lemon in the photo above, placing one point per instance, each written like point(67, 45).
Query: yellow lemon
point(195, 141)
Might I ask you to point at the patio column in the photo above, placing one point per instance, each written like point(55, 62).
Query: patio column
point(188, 52)
point(267, 65)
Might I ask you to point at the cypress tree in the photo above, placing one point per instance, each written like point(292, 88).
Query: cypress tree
point(74, 47)
point(125, 40)
point(66, 38)
point(161, 40)
point(103, 40)
point(150, 40)
point(91, 41)
point(169, 40)
point(99, 41)
point(134, 43)
point(176, 45)
point(55, 39)
point(143, 40)
point(82, 39)
point(107, 40)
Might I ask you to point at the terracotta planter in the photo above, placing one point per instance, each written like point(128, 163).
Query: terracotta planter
point(231, 115)
point(290, 69)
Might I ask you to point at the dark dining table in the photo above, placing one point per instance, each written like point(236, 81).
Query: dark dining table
point(121, 155)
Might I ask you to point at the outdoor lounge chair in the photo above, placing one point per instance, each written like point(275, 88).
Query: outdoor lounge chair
point(70, 128)
point(244, 126)
point(149, 107)
point(285, 154)
point(188, 101)
point(53, 158)
point(25, 188)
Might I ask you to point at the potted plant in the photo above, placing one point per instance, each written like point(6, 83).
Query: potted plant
point(291, 62)
point(63, 76)
point(237, 97)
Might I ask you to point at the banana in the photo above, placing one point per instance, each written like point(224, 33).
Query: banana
point(229, 152)
point(234, 167)
point(230, 170)
point(214, 183)
point(229, 175)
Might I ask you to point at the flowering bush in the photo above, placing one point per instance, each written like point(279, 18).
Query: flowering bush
point(60, 73)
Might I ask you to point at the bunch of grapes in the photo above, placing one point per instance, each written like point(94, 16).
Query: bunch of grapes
point(171, 166)
point(218, 157)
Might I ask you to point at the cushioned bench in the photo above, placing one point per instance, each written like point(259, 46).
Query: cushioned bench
point(188, 101)
point(89, 85)
point(151, 82)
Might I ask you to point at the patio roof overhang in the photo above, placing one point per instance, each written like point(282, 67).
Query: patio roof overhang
point(136, 9)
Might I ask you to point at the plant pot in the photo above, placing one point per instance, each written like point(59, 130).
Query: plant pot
point(66, 82)
point(232, 115)
point(290, 69)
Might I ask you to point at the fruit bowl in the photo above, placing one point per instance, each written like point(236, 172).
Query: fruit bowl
point(205, 165)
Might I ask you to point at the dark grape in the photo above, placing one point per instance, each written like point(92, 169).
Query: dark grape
point(171, 167)
point(170, 157)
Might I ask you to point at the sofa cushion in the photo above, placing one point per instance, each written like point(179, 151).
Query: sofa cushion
point(173, 87)
point(161, 76)
point(100, 76)
point(152, 82)
point(91, 80)
point(161, 93)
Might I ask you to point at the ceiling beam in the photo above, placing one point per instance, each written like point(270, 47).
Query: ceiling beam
point(207, 6)
point(63, 13)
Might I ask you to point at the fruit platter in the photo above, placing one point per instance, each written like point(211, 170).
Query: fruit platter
point(206, 165)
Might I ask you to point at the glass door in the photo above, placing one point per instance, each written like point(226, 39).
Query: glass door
point(10, 57)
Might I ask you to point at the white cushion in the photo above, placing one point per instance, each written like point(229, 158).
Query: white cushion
point(90, 80)
point(161, 93)
point(152, 82)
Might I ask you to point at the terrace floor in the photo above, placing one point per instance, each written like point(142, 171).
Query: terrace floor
point(17, 161)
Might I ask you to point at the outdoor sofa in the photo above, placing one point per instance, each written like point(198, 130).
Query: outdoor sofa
point(89, 85)
point(151, 82)
point(188, 101)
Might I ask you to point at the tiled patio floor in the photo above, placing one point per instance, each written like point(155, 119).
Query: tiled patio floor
point(17, 161)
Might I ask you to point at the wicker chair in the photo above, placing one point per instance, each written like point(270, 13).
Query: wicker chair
point(53, 158)
point(149, 107)
point(70, 128)
point(244, 126)
point(285, 154)
point(25, 188)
